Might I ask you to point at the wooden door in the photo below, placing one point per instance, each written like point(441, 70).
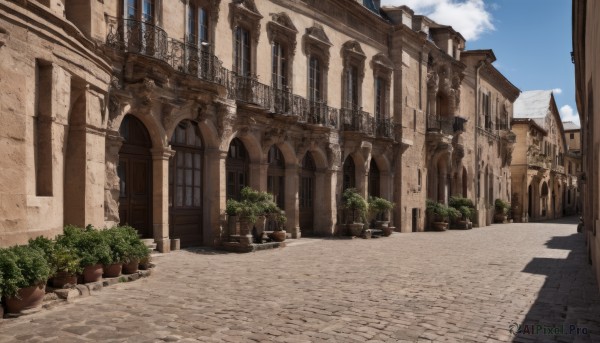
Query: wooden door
point(306, 194)
point(185, 186)
point(135, 177)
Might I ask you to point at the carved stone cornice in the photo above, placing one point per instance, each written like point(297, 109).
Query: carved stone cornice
point(282, 28)
point(316, 41)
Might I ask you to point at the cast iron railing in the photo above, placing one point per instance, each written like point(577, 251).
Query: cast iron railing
point(383, 128)
point(138, 37)
point(440, 124)
point(356, 120)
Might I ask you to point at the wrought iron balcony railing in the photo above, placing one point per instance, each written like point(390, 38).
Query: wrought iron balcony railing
point(440, 124)
point(138, 37)
point(197, 61)
point(383, 128)
point(356, 120)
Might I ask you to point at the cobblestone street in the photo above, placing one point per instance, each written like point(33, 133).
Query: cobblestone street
point(459, 286)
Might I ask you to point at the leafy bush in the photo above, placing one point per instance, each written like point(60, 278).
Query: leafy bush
point(89, 244)
point(379, 206)
point(232, 207)
point(441, 211)
point(136, 249)
point(354, 202)
point(22, 266)
point(11, 273)
point(464, 205)
point(252, 205)
point(501, 206)
point(44, 245)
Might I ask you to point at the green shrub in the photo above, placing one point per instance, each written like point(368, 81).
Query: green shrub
point(22, 266)
point(463, 205)
point(89, 244)
point(379, 206)
point(44, 245)
point(441, 211)
point(501, 206)
point(136, 249)
point(252, 205)
point(354, 202)
point(118, 244)
point(11, 273)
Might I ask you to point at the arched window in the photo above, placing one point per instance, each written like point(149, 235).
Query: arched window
point(374, 179)
point(349, 180)
point(276, 175)
point(237, 168)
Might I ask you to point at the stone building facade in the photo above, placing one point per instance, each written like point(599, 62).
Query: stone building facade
point(154, 113)
point(586, 49)
point(544, 173)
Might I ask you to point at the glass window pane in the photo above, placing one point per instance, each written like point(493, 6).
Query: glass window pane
point(197, 161)
point(188, 196)
point(197, 200)
point(179, 177)
point(188, 160)
point(188, 177)
point(197, 177)
point(179, 197)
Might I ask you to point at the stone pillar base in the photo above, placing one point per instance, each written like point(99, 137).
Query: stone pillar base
point(163, 245)
point(296, 233)
point(246, 239)
point(175, 244)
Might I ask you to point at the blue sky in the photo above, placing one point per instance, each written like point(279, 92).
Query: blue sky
point(531, 39)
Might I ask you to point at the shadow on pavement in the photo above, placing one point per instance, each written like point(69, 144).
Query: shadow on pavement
point(567, 308)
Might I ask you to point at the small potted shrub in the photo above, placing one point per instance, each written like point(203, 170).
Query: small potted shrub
point(279, 234)
point(501, 211)
point(439, 214)
point(357, 205)
point(231, 209)
point(379, 209)
point(466, 209)
point(63, 261)
point(136, 250)
point(91, 247)
point(118, 246)
point(25, 273)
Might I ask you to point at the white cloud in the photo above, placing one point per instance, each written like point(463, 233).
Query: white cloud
point(469, 17)
point(557, 91)
point(567, 114)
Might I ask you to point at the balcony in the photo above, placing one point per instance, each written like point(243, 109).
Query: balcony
point(196, 61)
point(129, 35)
point(448, 126)
point(355, 120)
point(383, 128)
point(539, 161)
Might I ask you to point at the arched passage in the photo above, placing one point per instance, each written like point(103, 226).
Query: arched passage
point(276, 175)
point(185, 184)
point(135, 176)
point(374, 179)
point(349, 176)
point(306, 194)
point(544, 198)
point(237, 166)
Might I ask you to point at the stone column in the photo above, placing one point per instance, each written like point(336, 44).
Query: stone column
point(214, 196)
point(291, 200)
point(160, 197)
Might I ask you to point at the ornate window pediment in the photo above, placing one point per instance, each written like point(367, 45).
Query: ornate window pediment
point(244, 13)
point(282, 36)
point(381, 64)
point(315, 37)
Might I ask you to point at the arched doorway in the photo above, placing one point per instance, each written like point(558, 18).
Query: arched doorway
point(185, 185)
point(237, 168)
point(374, 179)
point(276, 175)
point(349, 178)
point(135, 177)
point(544, 196)
point(306, 194)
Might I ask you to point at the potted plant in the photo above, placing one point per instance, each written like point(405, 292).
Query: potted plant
point(439, 214)
point(279, 234)
point(231, 209)
point(355, 203)
point(63, 261)
point(501, 213)
point(379, 209)
point(118, 247)
point(25, 273)
point(466, 208)
point(91, 247)
point(136, 250)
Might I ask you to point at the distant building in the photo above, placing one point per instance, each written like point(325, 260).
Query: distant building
point(544, 183)
point(586, 56)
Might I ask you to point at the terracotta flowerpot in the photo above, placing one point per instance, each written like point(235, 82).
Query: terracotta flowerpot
point(355, 229)
point(387, 230)
point(62, 278)
point(27, 298)
point(113, 270)
point(145, 263)
point(278, 236)
point(439, 226)
point(131, 267)
point(92, 273)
